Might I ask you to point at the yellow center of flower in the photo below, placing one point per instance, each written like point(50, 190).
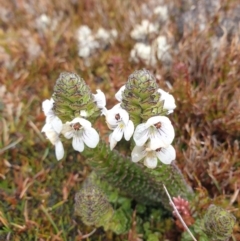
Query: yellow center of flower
point(121, 125)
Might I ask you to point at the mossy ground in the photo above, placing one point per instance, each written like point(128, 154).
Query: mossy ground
point(36, 191)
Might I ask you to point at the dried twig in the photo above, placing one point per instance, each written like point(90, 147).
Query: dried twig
point(11, 145)
point(177, 213)
point(89, 234)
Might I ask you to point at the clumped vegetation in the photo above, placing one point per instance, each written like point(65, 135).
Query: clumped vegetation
point(38, 41)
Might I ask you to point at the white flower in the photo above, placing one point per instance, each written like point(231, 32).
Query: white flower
point(100, 99)
point(87, 43)
point(83, 32)
point(50, 133)
point(106, 37)
point(53, 137)
point(53, 127)
point(103, 34)
point(114, 33)
point(112, 141)
point(162, 48)
point(118, 95)
point(117, 120)
point(84, 51)
point(82, 133)
point(151, 157)
point(45, 19)
point(51, 118)
point(161, 12)
point(141, 31)
point(158, 129)
point(143, 52)
point(44, 22)
point(169, 101)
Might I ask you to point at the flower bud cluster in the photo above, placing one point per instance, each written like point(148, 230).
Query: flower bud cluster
point(141, 113)
point(70, 112)
point(218, 223)
point(92, 205)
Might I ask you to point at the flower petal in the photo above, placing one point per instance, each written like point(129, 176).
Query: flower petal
point(138, 153)
point(155, 119)
point(47, 106)
point(59, 150)
point(77, 143)
point(169, 101)
point(104, 111)
point(90, 137)
point(111, 121)
point(150, 161)
point(157, 140)
point(50, 133)
point(83, 113)
point(111, 116)
point(163, 136)
point(116, 108)
point(57, 124)
point(141, 134)
point(83, 122)
point(112, 142)
point(124, 116)
point(166, 155)
point(67, 130)
point(117, 133)
point(100, 99)
point(167, 131)
point(118, 95)
point(128, 130)
point(46, 127)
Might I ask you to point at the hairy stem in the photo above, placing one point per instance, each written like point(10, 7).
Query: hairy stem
point(136, 181)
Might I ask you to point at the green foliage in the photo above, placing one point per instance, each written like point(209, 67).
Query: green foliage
point(123, 174)
point(134, 180)
point(197, 231)
point(120, 222)
point(153, 237)
point(172, 178)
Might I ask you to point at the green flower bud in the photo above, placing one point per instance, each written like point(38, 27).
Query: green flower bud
point(92, 205)
point(71, 96)
point(140, 97)
point(218, 223)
